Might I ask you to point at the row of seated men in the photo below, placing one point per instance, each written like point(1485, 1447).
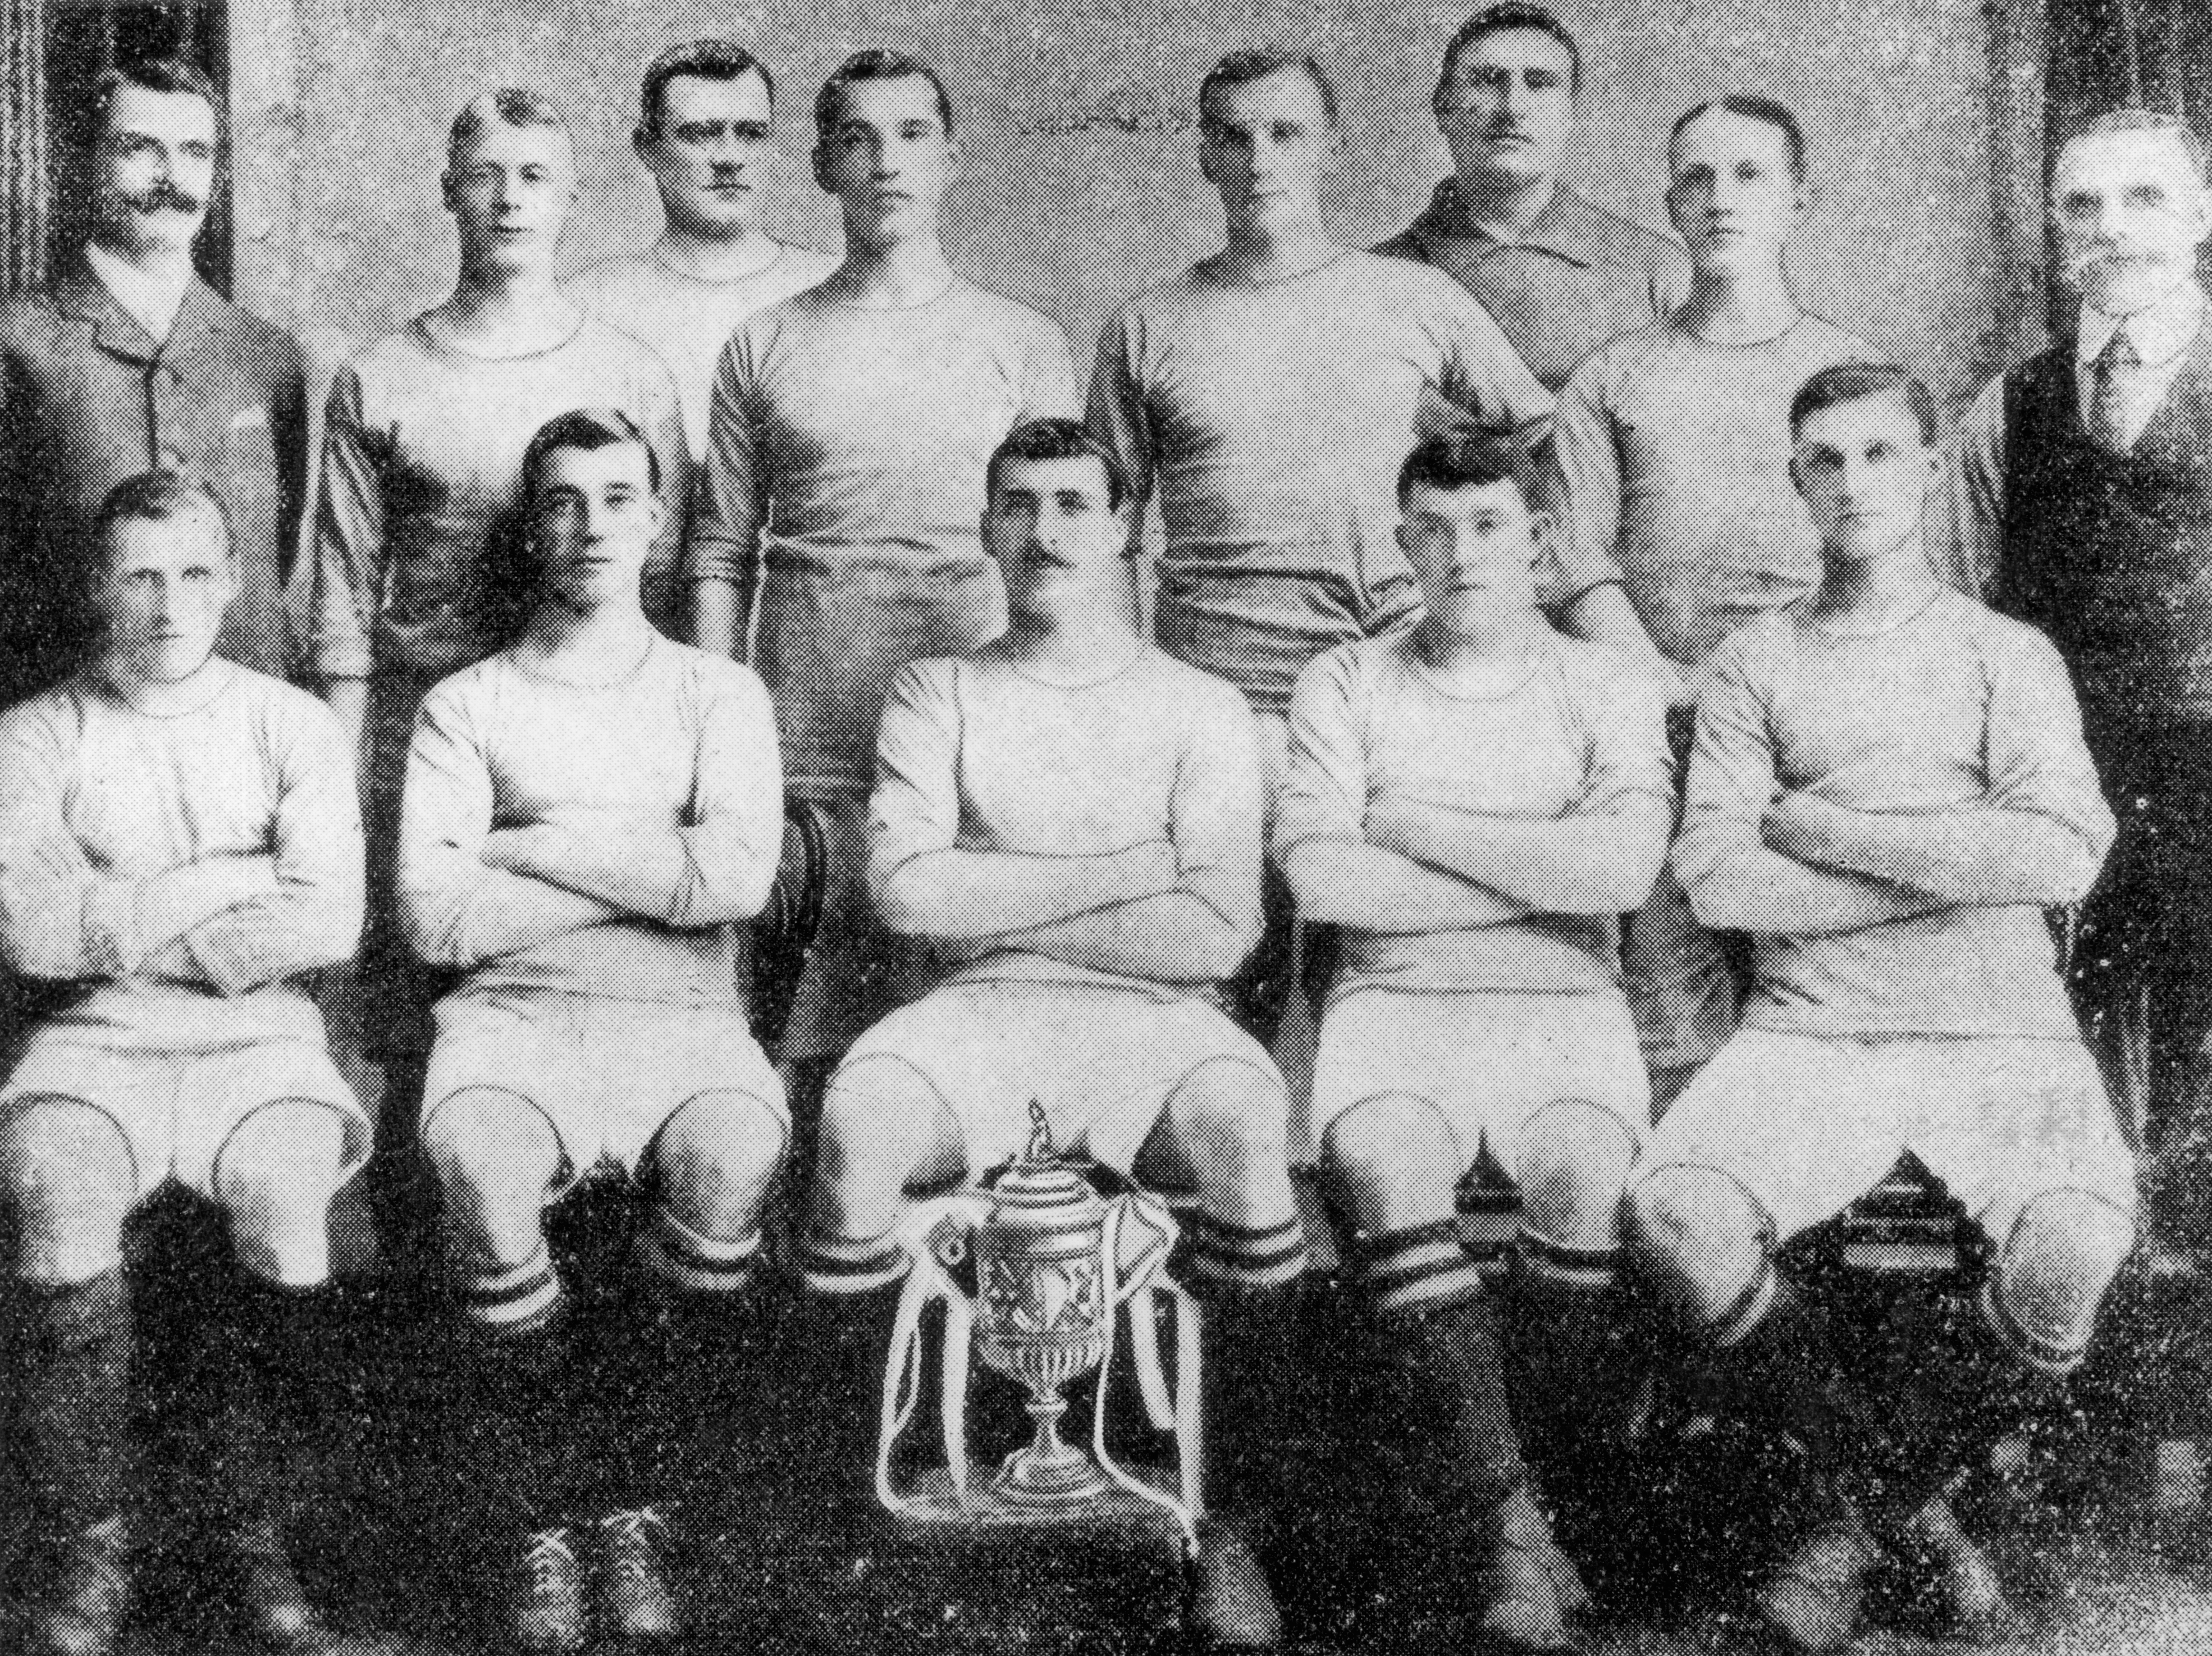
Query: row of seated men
point(1889, 786)
point(1265, 399)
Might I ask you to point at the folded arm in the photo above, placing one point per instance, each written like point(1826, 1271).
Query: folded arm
point(1599, 863)
point(1977, 855)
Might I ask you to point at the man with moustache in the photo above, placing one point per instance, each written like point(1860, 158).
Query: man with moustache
point(128, 361)
point(1268, 394)
point(705, 131)
point(836, 538)
point(2082, 493)
point(1561, 275)
point(422, 463)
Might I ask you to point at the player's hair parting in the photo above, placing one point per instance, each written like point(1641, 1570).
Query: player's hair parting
point(2135, 119)
point(586, 428)
point(705, 60)
point(1462, 459)
point(507, 105)
point(1256, 64)
point(1508, 16)
point(1854, 382)
point(162, 496)
point(1752, 107)
point(1057, 439)
point(876, 64)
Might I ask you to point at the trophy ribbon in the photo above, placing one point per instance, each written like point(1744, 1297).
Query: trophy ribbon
point(929, 1279)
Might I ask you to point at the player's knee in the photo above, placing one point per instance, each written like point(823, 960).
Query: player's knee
point(1572, 1165)
point(715, 1161)
point(494, 1155)
point(274, 1177)
point(879, 1119)
point(1391, 1161)
point(2052, 1272)
point(1697, 1238)
point(67, 1174)
point(1231, 1118)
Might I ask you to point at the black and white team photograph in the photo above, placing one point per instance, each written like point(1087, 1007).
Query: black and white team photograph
point(1104, 828)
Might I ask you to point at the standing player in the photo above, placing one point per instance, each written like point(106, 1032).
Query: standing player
point(1889, 786)
point(422, 456)
point(179, 838)
point(1076, 818)
point(1474, 803)
point(836, 540)
point(2085, 496)
point(128, 361)
point(1676, 474)
point(1268, 394)
point(706, 123)
point(1561, 275)
point(588, 815)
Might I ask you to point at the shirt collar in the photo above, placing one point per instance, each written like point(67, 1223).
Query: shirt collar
point(1569, 228)
point(2159, 331)
point(152, 301)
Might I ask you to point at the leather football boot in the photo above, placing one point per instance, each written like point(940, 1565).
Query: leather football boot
point(1810, 1605)
point(1969, 1593)
point(1529, 1587)
point(544, 1608)
point(1231, 1609)
point(273, 1608)
point(81, 1608)
point(636, 1604)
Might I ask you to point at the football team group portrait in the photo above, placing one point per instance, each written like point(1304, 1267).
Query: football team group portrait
point(1495, 941)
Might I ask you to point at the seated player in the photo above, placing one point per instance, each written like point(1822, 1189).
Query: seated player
point(1888, 787)
point(587, 815)
point(1077, 817)
point(179, 838)
point(1476, 801)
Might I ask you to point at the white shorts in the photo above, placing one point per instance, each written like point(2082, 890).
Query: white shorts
point(178, 1106)
point(1807, 1124)
point(1104, 1061)
point(607, 1073)
point(1487, 1061)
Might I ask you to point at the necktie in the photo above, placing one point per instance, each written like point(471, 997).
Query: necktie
point(2115, 390)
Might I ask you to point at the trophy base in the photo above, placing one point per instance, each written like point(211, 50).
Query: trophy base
point(1038, 1482)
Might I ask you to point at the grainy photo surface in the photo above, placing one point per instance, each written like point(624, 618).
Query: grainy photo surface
point(1105, 826)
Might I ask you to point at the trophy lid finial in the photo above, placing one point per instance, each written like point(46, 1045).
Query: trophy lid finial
point(1039, 1148)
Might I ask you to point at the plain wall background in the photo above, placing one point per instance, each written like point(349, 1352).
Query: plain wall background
point(1081, 183)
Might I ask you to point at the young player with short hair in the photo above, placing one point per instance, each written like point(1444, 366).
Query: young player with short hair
point(1888, 789)
point(1266, 394)
point(1075, 819)
point(179, 839)
point(1671, 443)
point(1475, 802)
point(835, 537)
point(589, 814)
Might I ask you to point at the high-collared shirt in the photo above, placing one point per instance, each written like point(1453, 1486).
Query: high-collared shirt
point(151, 300)
point(2161, 332)
point(1577, 276)
point(88, 398)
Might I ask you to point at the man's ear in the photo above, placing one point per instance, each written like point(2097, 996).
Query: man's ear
point(446, 188)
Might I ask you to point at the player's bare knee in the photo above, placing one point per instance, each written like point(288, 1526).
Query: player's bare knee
point(1231, 1126)
point(1699, 1239)
point(68, 1178)
point(495, 1157)
point(715, 1161)
point(2053, 1271)
point(274, 1178)
point(1391, 1161)
point(879, 1119)
point(1572, 1165)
